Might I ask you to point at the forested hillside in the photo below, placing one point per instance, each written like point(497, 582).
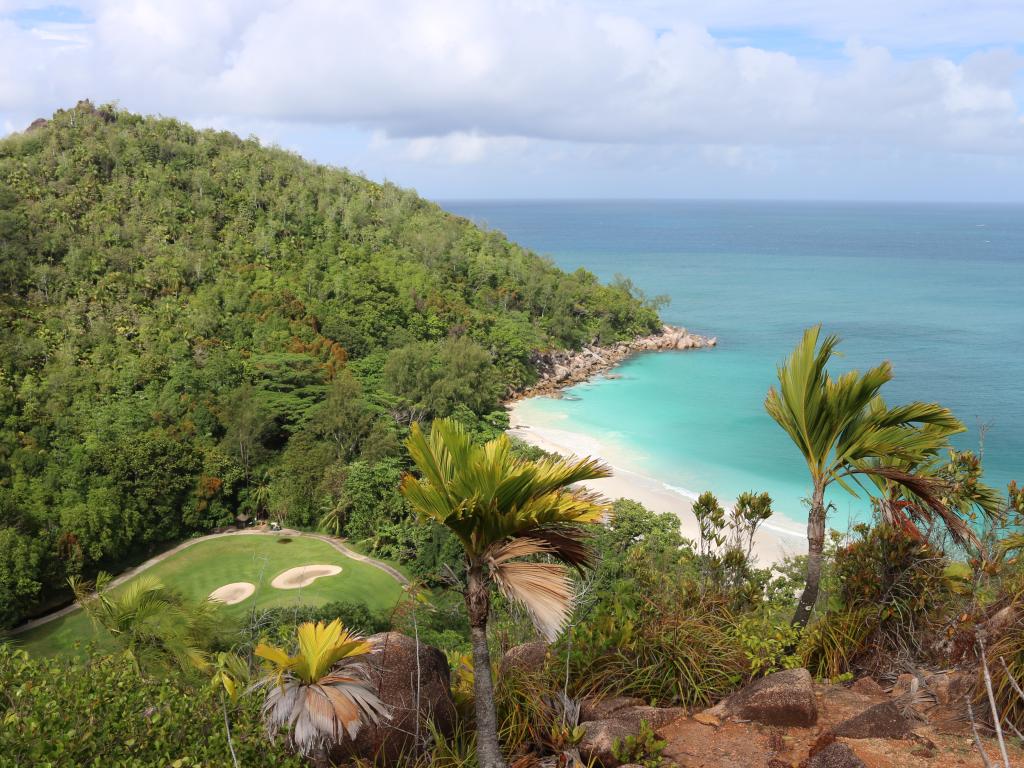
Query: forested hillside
point(195, 325)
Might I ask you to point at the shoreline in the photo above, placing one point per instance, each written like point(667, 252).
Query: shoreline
point(562, 368)
point(771, 544)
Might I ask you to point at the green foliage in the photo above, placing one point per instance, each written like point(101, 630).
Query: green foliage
point(830, 645)
point(890, 596)
point(60, 711)
point(1006, 663)
point(669, 658)
point(195, 324)
point(767, 643)
point(644, 749)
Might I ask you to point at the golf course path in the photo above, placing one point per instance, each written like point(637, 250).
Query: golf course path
point(131, 572)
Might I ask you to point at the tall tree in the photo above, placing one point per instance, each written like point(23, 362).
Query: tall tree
point(513, 517)
point(844, 429)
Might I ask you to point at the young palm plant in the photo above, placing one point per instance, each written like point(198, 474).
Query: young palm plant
point(322, 692)
point(505, 509)
point(844, 430)
point(150, 623)
point(964, 496)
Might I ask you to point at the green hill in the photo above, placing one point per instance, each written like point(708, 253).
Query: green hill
point(194, 324)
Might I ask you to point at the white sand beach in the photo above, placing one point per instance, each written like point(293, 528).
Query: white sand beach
point(774, 541)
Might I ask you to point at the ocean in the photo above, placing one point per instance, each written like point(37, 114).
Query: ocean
point(936, 289)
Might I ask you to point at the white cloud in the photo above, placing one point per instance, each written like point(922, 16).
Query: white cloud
point(535, 86)
point(472, 71)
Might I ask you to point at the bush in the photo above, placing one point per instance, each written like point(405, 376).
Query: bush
point(100, 712)
point(669, 660)
point(889, 598)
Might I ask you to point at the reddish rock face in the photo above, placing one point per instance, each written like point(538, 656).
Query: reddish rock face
point(882, 721)
point(785, 698)
point(393, 670)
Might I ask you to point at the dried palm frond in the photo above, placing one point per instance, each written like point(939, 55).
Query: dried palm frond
point(544, 589)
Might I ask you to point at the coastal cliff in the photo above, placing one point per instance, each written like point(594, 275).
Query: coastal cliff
point(563, 368)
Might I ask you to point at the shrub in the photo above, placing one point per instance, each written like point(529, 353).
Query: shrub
point(671, 659)
point(99, 711)
point(889, 594)
point(644, 749)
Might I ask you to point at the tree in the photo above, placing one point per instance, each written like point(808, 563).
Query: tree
point(150, 623)
point(321, 693)
point(245, 422)
point(844, 429)
point(504, 510)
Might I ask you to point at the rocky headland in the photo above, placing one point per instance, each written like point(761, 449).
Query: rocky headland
point(561, 368)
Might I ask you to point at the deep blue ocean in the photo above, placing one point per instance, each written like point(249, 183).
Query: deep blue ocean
point(936, 289)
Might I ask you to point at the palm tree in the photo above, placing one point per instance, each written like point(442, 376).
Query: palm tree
point(964, 496)
point(505, 509)
point(150, 623)
point(321, 693)
point(845, 430)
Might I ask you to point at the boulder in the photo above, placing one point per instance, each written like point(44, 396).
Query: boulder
point(528, 657)
point(393, 669)
point(785, 699)
point(622, 718)
point(866, 686)
point(882, 721)
point(604, 709)
point(599, 736)
point(952, 691)
point(835, 755)
point(951, 686)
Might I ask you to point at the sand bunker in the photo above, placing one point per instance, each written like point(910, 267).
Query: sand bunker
point(303, 576)
point(233, 593)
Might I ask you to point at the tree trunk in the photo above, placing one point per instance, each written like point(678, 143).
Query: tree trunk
point(815, 545)
point(488, 751)
point(321, 757)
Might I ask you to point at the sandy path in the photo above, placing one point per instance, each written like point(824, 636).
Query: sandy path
point(303, 576)
point(125, 575)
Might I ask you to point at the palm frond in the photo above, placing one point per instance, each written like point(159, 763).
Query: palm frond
point(321, 693)
point(543, 589)
point(484, 494)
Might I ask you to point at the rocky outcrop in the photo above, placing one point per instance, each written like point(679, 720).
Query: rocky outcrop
point(784, 699)
point(881, 721)
point(394, 670)
point(562, 368)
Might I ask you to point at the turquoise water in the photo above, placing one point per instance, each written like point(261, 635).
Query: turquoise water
point(936, 289)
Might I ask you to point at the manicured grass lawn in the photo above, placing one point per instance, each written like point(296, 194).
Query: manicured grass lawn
point(202, 567)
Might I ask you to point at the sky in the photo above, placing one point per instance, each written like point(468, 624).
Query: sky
point(460, 99)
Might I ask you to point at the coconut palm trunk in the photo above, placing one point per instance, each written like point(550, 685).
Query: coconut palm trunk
point(815, 549)
point(478, 604)
point(845, 431)
point(520, 524)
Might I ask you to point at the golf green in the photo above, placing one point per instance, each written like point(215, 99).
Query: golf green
point(206, 565)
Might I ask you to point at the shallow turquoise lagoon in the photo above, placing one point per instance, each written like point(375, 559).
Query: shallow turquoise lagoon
point(936, 289)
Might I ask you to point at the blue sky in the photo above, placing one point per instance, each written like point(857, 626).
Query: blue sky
point(805, 99)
